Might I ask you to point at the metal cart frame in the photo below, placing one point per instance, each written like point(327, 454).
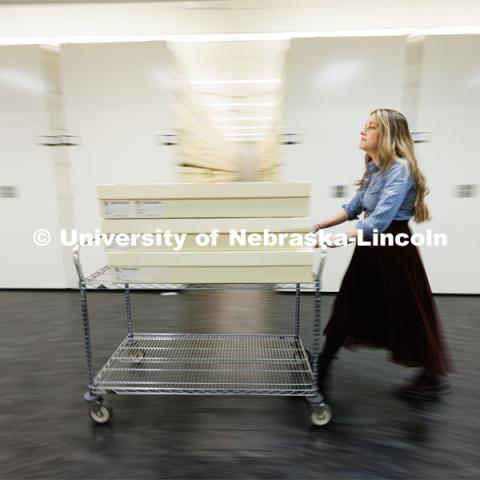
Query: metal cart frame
point(203, 364)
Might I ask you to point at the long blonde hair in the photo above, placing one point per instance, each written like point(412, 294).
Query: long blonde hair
point(395, 141)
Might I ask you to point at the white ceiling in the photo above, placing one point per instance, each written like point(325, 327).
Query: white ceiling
point(5, 2)
point(239, 17)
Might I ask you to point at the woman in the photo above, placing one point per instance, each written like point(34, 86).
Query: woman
point(385, 298)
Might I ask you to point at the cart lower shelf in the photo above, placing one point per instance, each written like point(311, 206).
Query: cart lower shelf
point(151, 363)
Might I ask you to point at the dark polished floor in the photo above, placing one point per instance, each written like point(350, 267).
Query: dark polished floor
point(46, 434)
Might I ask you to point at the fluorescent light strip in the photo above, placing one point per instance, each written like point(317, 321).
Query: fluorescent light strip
point(251, 104)
point(245, 138)
point(230, 135)
point(244, 133)
point(235, 82)
point(239, 37)
point(253, 139)
point(275, 36)
point(370, 32)
point(226, 119)
point(245, 127)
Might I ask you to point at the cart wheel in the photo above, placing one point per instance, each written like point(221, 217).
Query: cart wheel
point(100, 412)
point(321, 415)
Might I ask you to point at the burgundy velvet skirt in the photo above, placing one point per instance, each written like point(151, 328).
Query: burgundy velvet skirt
point(385, 301)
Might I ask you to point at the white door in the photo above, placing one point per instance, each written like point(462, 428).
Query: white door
point(332, 86)
point(449, 108)
point(118, 99)
point(28, 188)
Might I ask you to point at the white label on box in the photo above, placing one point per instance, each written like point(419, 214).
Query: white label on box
point(116, 208)
point(126, 274)
point(148, 208)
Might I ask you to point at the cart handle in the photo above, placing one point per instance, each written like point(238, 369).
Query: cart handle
point(321, 257)
point(76, 260)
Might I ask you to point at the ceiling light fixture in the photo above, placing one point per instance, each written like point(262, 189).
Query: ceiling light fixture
point(240, 37)
point(236, 82)
point(241, 134)
point(226, 119)
point(249, 104)
point(233, 127)
point(254, 139)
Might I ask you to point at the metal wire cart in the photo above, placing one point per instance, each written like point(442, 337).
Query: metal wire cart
point(203, 364)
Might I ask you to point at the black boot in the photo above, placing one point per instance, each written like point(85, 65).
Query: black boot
point(425, 387)
point(323, 373)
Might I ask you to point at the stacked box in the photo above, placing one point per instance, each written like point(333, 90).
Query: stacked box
point(234, 211)
point(199, 200)
point(292, 228)
point(212, 267)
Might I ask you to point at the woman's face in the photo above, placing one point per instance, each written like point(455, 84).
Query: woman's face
point(370, 134)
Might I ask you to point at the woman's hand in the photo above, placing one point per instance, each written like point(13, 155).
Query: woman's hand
point(331, 244)
point(352, 235)
point(327, 243)
point(315, 229)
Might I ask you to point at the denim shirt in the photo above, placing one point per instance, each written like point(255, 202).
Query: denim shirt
point(384, 197)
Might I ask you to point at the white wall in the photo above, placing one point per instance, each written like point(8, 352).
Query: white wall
point(118, 98)
point(449, 106)
point(30, 168)
point(332, 86)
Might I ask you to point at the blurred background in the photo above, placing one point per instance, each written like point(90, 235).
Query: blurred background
point(95, 92)
point(219, 91)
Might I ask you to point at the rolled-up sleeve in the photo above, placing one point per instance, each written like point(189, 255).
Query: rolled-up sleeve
point(355, 206)
point(396, 187)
